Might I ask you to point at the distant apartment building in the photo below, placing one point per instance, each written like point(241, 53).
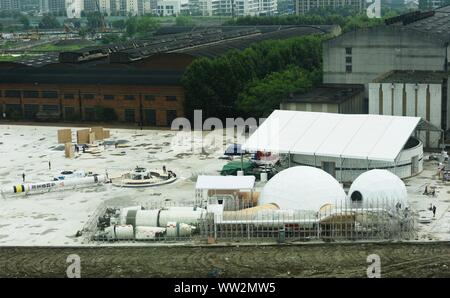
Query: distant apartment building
point(237, 7)
point(119, 7)
point(431, 4)
point(9, 5)
point(89, 5)
point(304, 6)
point(105, 6)
point(133, 7)
point(168, 7)
point(74, 8)
point(149, 6)
point(52, 6)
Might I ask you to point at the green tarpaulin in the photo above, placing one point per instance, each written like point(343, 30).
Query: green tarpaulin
point(234, 166)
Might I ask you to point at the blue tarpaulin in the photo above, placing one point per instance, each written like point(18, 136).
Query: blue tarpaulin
point(234, 149)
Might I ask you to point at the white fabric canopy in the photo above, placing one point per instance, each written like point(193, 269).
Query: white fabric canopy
point(374, 137)
point(225, 182)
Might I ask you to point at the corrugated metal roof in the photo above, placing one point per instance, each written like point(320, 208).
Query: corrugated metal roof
point(412, 76)
point(435, 22)
point(88, 76)
point(328, 93)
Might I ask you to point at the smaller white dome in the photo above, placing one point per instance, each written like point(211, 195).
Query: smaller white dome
point(378, 188)
point(302, 188)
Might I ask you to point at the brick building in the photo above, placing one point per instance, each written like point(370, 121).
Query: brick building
point(57, 92)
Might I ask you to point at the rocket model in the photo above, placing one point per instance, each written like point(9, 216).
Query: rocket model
point(40, 187)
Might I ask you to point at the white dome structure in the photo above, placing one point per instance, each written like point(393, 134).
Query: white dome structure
point(302, 188)
point(376, 188)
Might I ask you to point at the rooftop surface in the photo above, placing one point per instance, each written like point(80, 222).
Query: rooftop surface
point(412, 76)
point(436, 22)
point(65, 75)
point(282, 32)
point(198, 41)
point(329, 93)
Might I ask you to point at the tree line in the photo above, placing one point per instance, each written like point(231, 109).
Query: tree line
point(347, 23)
point(252, 82)
point(346, 17)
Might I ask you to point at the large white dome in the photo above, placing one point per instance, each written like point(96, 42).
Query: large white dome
point(376, 188)
point(302, 188)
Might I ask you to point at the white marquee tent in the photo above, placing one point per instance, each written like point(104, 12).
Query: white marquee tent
point(371, 137)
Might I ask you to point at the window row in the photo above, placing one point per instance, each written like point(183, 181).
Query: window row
point(87, 96)
point(33, 111)
point(29, 94)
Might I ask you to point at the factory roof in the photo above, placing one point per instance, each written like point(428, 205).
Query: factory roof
point(412, 76)
point(262, 28)
point(225, 182)
point(369, 137)
point(429, 26)
point(435, 22)
point(241, 43)
point(197, 41)
point(65, 75)
point(328, 93)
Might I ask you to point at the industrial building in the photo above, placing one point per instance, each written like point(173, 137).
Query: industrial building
point(414, 93)
point(343, 145)
point(414, 41)
point(417, 43)
point(137, 82)
point(331, 98)
point(127, 95)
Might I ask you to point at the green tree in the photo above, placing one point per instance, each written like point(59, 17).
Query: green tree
point(119, 24)
point(227, 76)
point(94, 20)
point(146, 26)
point(110, 38)
point(141, 27)
point(184, 21)
point(49, 22)
point(261, 97)
point(131, 26)
point(82, 32)
point(343, 17)
point(25, 22)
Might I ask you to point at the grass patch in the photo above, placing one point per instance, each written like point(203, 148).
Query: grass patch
point(59, 48)
point(9, 58)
